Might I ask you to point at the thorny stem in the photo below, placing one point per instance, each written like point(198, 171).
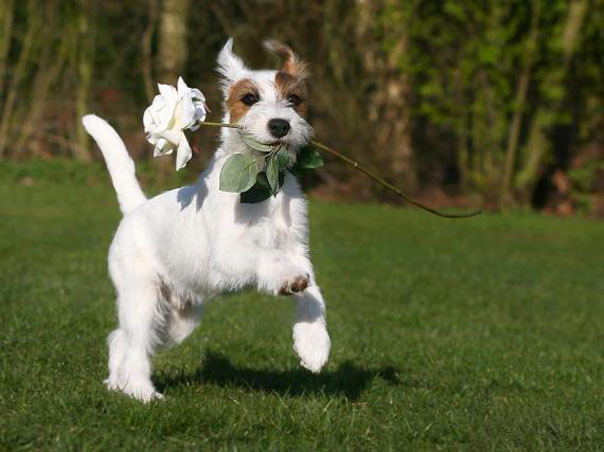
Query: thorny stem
point(369, 173)
point(391, 187)
point(220, 124)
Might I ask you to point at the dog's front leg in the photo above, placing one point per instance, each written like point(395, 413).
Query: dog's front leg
point(270, 269)
point(279, 275)
point(311, 340)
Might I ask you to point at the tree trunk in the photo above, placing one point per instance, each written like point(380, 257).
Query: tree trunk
point(147, 66)
point(506, 197)
point(6, 33)
point(538, 144)
point(392, 101)
point(19, 72)
point(85, 60)
point(396, 120)
point(461, 130)
point(172, 51)
point(172, 55)
point(50, 64)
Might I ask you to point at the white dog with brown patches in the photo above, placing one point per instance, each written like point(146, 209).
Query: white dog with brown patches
point(173, 252)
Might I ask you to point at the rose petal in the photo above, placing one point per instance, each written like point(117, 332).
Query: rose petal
point(168, 93)
point(183, 155)
point(201, 112)
point(187, 115)
point(148, 122)
point(172, 136)
point(162, 147)
point(152, 137)
point(197, 95)
point(182, 86)
point(173, 110)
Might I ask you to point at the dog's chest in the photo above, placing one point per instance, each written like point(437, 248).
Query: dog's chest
point(265, 224)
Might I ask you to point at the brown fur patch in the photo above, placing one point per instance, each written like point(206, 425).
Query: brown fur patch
point(237, 109)
point(287, 85)
point(290, 63)
point(299, 284)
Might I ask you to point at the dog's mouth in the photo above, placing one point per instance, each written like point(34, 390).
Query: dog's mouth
point(270, 145)
point(286, 143)
point(254, 143)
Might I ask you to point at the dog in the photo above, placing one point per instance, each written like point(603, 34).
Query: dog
point(174, 252)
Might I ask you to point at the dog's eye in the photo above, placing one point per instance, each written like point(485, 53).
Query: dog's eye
point(294, 99)
point(250, 99)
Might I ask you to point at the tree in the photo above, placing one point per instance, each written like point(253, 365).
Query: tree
point(83, 52)
point(528, 60)
point(390, 104)
point(172, 42)
point(172, 52)
point(553, 92)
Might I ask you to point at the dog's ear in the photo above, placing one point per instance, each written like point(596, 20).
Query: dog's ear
point(230, 66)
point(290, 63)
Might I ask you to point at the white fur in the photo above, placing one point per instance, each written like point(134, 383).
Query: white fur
point(230, 66)
point(173, 252)
point(119, 163)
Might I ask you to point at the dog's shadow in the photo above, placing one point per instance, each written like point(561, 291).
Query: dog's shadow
point(348, 380)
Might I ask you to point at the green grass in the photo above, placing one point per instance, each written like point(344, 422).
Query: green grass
point(471, 334)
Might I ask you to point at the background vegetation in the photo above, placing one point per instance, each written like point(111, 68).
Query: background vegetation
point(492, 102)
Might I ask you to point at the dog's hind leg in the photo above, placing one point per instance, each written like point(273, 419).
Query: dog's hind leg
point(182, 314)
point(133, 343)
point(182, 321)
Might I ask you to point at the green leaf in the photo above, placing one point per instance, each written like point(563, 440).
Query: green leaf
point(238, 173)
point(309, 158)
point(259, 192)
point(251, 142)
point(272, 174)
point(282, 157)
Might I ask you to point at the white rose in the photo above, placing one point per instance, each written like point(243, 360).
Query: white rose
point(172, 112)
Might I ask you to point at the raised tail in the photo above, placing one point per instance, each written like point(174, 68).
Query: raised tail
point(119, 163)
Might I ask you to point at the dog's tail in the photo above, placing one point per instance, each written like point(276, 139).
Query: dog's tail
point(119, 163)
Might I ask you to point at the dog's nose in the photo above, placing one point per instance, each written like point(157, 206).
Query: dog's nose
point(278, 127)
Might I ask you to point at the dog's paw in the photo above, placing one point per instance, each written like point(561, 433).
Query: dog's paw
point(143, 392)
point(294, 285)
point(312, 344)
point(140, 390)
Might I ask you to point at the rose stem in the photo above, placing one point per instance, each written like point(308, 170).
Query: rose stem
point(369, 173)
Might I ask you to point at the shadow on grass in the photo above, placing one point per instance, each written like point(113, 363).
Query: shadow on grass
point(349, 380)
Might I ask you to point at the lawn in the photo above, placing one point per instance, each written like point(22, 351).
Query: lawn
point(476, 334)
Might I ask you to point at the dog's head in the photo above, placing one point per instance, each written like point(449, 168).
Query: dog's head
point(270, 104)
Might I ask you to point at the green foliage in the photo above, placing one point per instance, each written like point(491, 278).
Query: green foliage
point(261, 190)
point(239, 172)
point(309, 158)
point(282, 158)
point(255, 144)
point(243, 173)
point(583, 180)
point(272, 174)
point(462, 63)
point(474, 335)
